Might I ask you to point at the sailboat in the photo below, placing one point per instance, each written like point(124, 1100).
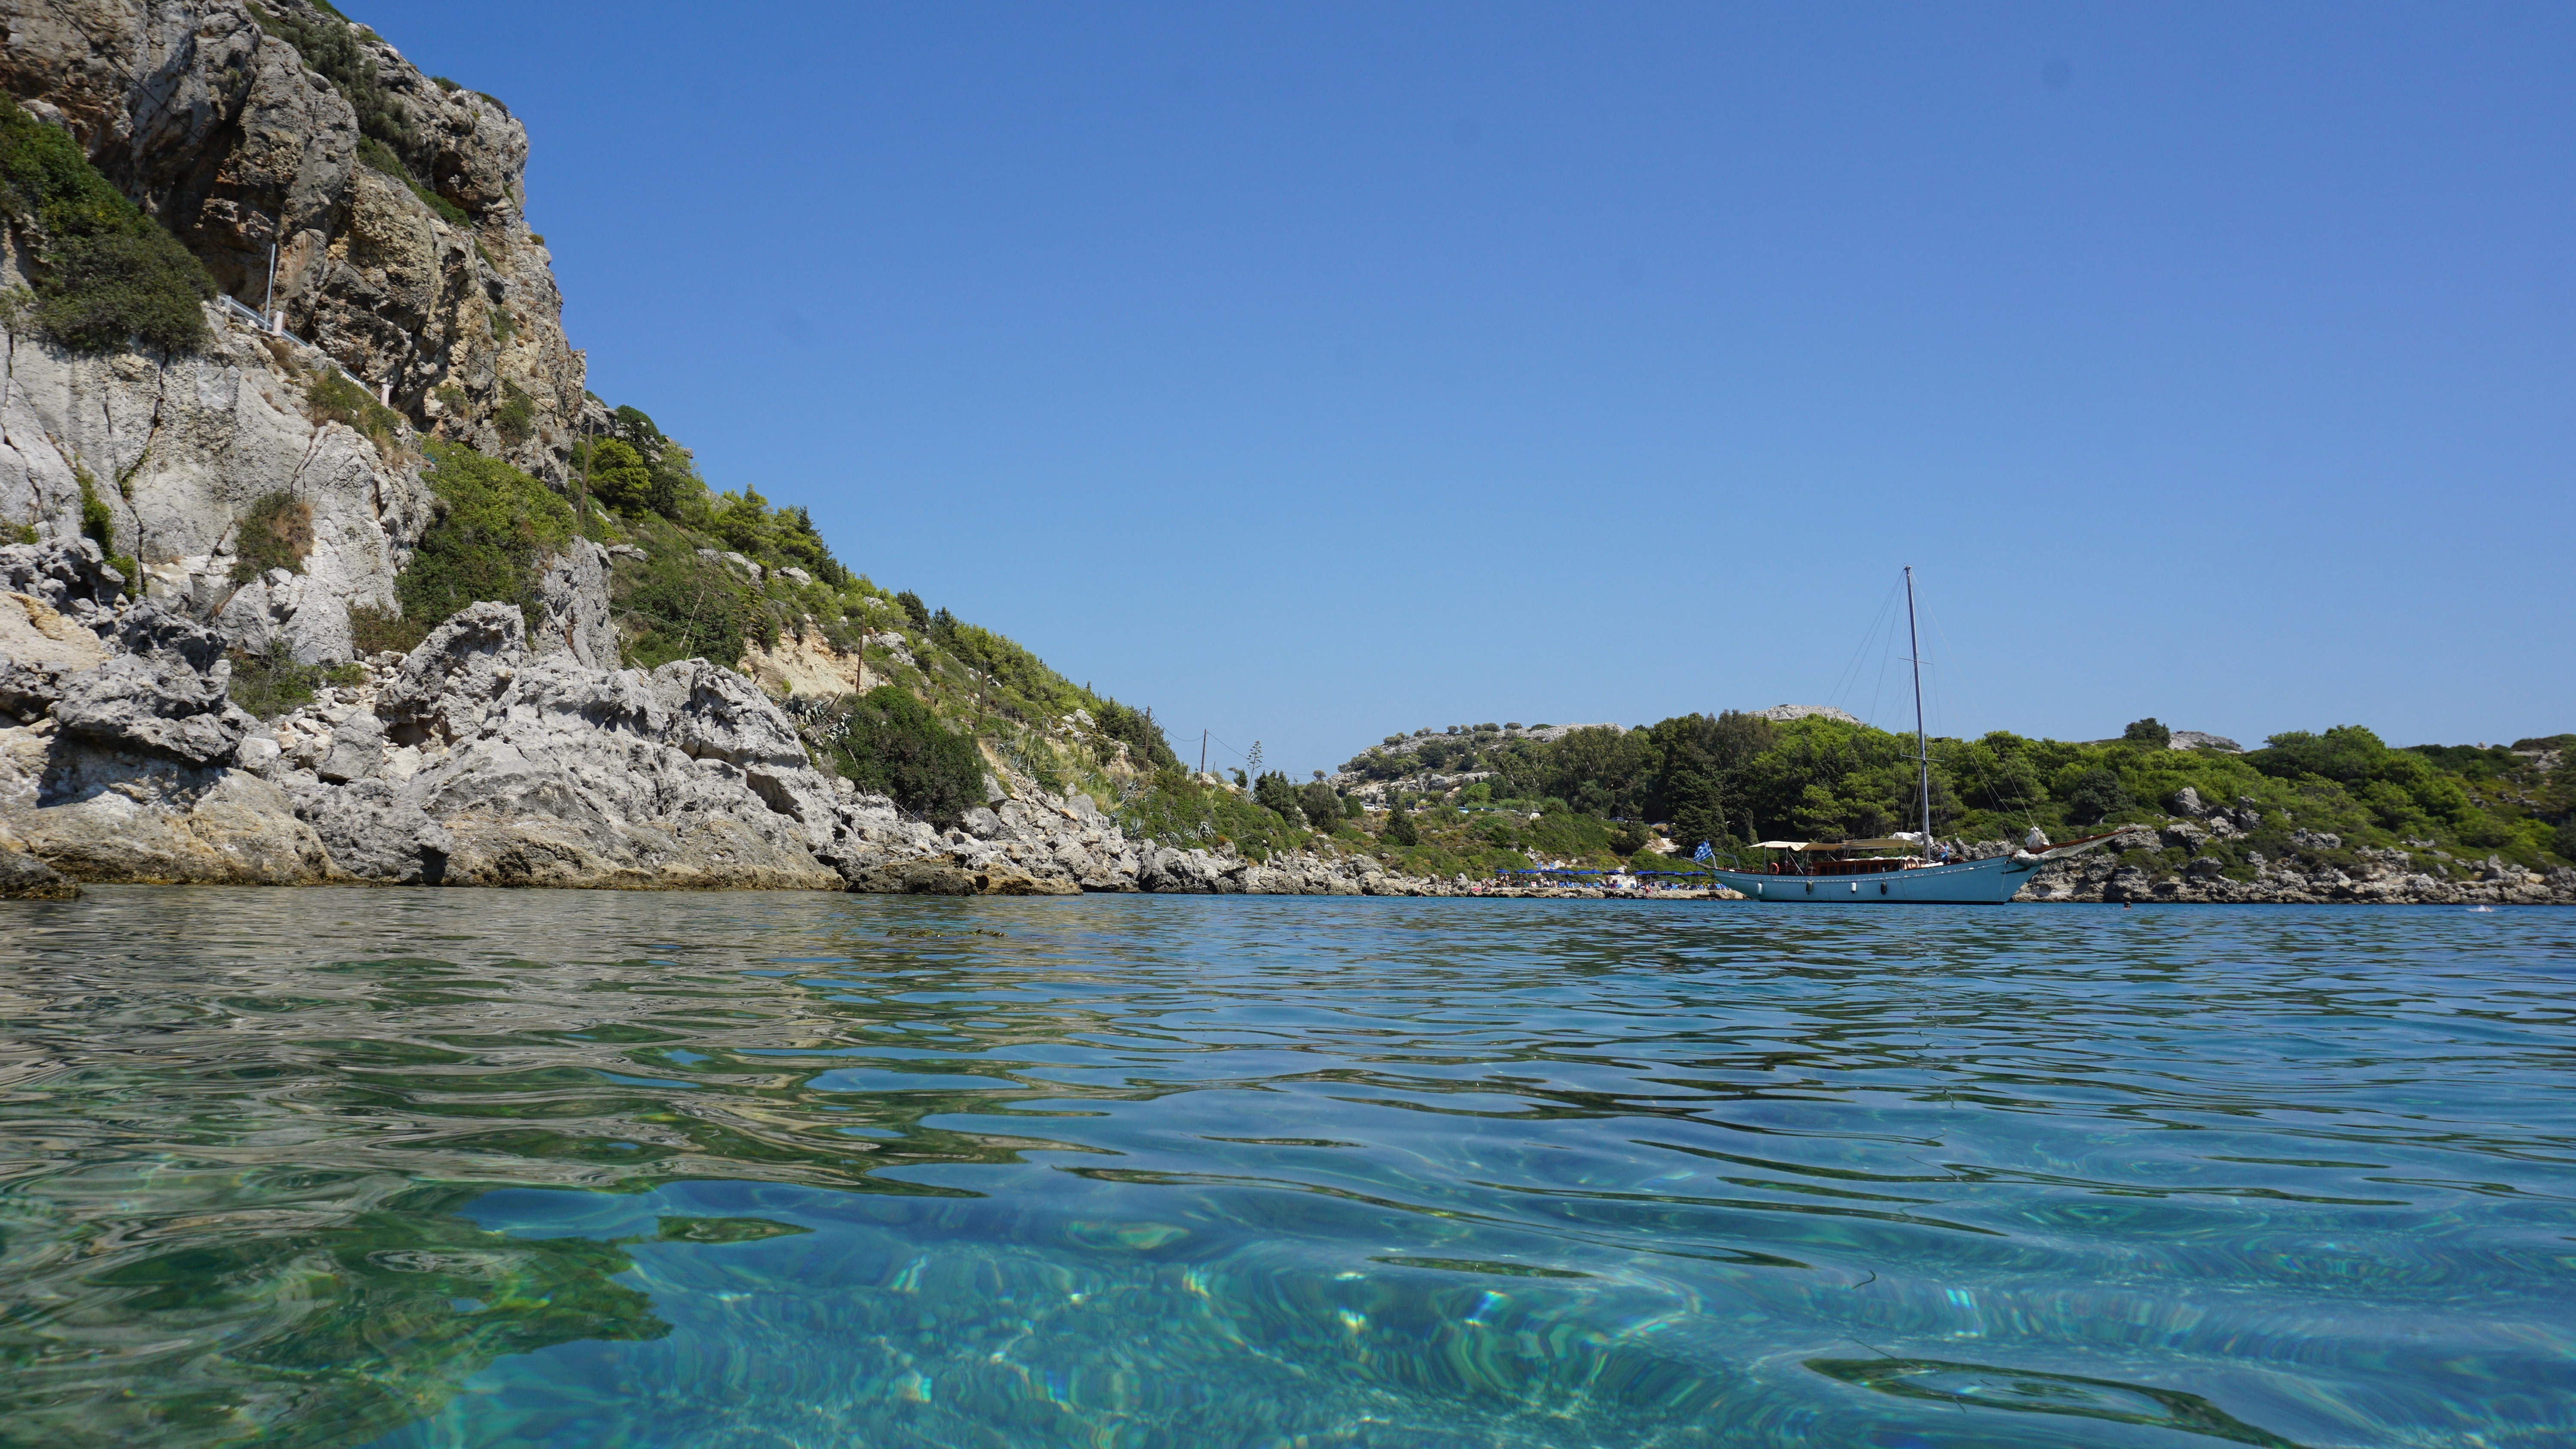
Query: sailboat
point(1850, 872)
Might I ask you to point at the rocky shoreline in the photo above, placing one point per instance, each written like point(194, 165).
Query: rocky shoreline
point(489, 757)
point(486, 757)
point(2373, 877)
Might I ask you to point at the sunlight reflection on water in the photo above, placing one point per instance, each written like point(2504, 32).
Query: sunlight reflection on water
point(427, 1168)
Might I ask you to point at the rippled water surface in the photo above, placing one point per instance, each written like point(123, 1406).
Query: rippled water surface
point(458, 1168)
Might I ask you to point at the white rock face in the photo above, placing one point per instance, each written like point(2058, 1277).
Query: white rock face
point(220, 130)
point(2201, 740)
point(1781, 713)
point(178, 451)
point(477, 759)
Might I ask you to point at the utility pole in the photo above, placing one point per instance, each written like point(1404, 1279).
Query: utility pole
point(1203, 751)
point(268, 298)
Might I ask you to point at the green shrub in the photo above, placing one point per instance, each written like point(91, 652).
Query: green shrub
point(495, 529)
point(2093, 795)
point(888, 742)
point(2150, 733)
point(517, 415)
point(107, 276)
point(276, 533)
point(1275, 794)
point(2344, 754)
point(1177, 812)
point(743, 522)
point(1627, 838)
point(618, 477)
point(1323, 807)
point(1137, 730)
point(269, 684)
point(376, 630)
point(332, 396)
point(682, 607)
point(98, 521)
point(913, 608)
point(1400, 827)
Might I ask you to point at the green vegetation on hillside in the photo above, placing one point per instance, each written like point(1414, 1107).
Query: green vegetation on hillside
point(330, 49)
point(495, 529)
point(706, 574)
point(1732, 779)
point(889, 742)
point(332, 396)
point(107, 276)
point(269, 683)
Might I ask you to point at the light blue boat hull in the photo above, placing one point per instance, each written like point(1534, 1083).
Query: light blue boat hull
point(1968, 883)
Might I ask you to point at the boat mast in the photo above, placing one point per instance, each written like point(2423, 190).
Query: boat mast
point(1922, 760)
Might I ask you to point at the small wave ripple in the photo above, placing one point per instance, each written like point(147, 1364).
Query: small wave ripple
point(429, 1169)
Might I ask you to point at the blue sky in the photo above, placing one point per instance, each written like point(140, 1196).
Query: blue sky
point(1314, 372)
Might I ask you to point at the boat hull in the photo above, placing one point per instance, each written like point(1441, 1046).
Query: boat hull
point(1967, 883)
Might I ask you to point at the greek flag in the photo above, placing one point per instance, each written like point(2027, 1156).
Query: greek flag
point(1703, 855)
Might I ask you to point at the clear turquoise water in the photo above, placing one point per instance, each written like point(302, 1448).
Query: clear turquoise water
point(450, 1168)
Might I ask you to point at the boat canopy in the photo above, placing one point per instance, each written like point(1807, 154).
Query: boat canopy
point(1886, 844)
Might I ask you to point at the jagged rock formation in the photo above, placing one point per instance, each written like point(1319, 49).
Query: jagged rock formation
point(479, 759)
point(208, 114)
point(210, 117)
point(2385, 877)
point(178, 450)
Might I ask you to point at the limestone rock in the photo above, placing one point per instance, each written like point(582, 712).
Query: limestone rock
point(220, 130)
point(156, 704)
point(28, 690)
point(473, 760)
point(452, 677)
point(574, 615)
point(25, 878)
point(357, 749)
point(935, 877)
point(1782, 713)
point(374, 832)
point(2201, 740)
point(123, 816)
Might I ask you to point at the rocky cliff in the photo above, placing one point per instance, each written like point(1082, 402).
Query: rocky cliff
point(476, 759)
point(400, 243)
point(380, 290)
point(420, 283)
